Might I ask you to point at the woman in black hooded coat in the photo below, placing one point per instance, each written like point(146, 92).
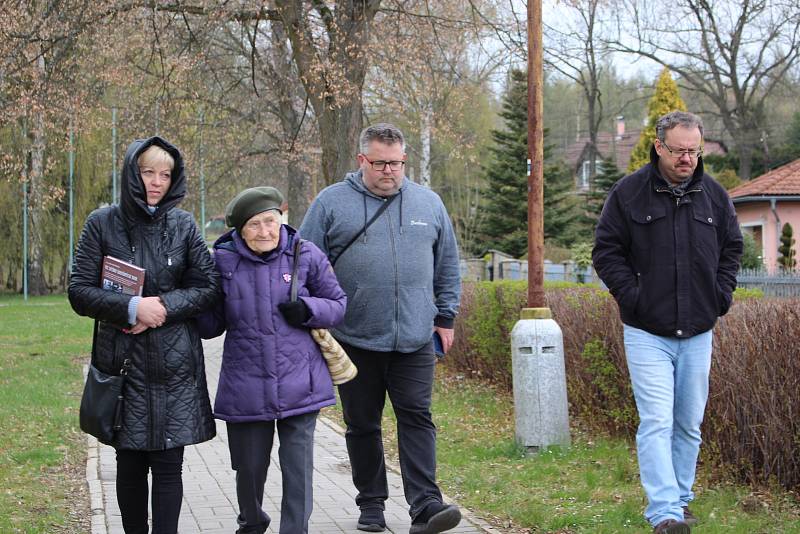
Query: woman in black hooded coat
point(166, 399)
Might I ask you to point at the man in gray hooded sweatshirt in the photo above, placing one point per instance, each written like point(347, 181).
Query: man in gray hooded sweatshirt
point(401, 276)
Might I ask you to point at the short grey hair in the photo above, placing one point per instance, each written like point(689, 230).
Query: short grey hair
point(383, 132)
point(677, 118)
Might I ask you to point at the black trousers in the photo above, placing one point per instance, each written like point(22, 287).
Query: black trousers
point(166, 467)
point(250, 445)
point(408, 379)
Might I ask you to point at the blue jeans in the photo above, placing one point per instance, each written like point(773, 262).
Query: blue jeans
point(670, 384)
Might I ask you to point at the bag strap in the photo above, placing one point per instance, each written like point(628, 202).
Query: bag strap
point(93, 358)
point(369, 223)
point(293, 290)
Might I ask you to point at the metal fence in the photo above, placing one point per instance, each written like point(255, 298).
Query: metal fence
point(779, 284)
point(511, 269)
point(775, 284)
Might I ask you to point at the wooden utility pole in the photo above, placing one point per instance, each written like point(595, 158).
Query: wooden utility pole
point(536, 155)
point(541, 413)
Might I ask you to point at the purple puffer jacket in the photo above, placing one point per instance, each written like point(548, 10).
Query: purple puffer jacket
point(271, 370)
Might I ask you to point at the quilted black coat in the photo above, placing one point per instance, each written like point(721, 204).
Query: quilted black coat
point(166, 398)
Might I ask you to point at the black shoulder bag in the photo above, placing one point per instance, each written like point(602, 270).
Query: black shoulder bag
point(369, 223)
point(103, 399)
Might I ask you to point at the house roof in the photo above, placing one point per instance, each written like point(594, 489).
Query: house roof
point(607, 144)
point(621, 146)
point(783, 181)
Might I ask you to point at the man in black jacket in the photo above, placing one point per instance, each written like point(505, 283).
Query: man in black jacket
point(668, 245)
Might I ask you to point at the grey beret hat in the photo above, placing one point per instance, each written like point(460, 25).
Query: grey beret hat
point(251, 202)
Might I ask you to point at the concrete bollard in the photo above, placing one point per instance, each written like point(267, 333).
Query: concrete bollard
point(540, 381)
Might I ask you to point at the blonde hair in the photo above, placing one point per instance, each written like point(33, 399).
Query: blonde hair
point(155, 155)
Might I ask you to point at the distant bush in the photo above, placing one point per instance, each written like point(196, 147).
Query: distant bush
point(752, 425)
point(744, 293)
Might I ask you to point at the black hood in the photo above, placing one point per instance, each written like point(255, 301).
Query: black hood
point(133, 199)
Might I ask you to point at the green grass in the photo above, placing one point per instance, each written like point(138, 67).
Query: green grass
point(43, 346)
point(589, 487)
point(592, 486)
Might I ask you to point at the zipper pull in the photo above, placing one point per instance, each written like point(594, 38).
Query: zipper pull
point(169, 261)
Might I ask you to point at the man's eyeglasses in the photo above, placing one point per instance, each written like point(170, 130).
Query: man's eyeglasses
point(380, 165)
point(693, 153)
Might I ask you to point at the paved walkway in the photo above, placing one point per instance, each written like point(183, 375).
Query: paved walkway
point(209, 504)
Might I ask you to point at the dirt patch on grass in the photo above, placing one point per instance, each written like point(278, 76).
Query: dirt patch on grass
point(71, 478)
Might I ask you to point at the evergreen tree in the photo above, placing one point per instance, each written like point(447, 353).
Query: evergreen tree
point(665, 99)
point(790, 149)
point(607, 176)
point(793, 133)
point(787, 259)
point(505, 226)
point(560, 205)
point(751, 255)
point(594, 198)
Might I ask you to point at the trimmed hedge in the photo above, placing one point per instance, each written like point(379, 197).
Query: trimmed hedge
point(752, 424)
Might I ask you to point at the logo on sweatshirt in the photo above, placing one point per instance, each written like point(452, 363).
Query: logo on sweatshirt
point(418, 223)
point(287, 278)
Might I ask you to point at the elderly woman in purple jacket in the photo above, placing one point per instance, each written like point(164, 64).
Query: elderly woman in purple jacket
point(273, 374)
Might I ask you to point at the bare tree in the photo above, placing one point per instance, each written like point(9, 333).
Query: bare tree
point(39, 44)
point(329, 42)
point(733, 53)
point(424, 65)
point(575, 50)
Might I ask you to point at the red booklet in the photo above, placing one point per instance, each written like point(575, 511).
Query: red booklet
point(121, 276)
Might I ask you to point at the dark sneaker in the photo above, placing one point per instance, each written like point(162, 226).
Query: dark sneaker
point(688, 517)
point(436, 517)
point(371, 520)
point(671, 526)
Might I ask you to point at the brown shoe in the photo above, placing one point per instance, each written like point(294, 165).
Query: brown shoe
point(688, 517)
point(671, 526)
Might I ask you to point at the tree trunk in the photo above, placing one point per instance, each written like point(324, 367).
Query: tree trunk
point(339, 129)
point(11, 281)
point(425, 145)
point(37, 284)
point(332, 73)
point(745, 150)
point(296, 195)
point(289, 95)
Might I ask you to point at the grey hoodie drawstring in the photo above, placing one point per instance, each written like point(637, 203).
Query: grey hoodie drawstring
point(364, 197)
point(401, 212)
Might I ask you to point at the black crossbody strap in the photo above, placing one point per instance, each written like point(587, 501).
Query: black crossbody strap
point(369, 223)
point(93, 359)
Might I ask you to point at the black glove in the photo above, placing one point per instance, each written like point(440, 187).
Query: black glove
point(295, 313)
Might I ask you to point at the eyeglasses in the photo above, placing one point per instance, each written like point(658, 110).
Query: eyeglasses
point(380, 165)
point(693, 153)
